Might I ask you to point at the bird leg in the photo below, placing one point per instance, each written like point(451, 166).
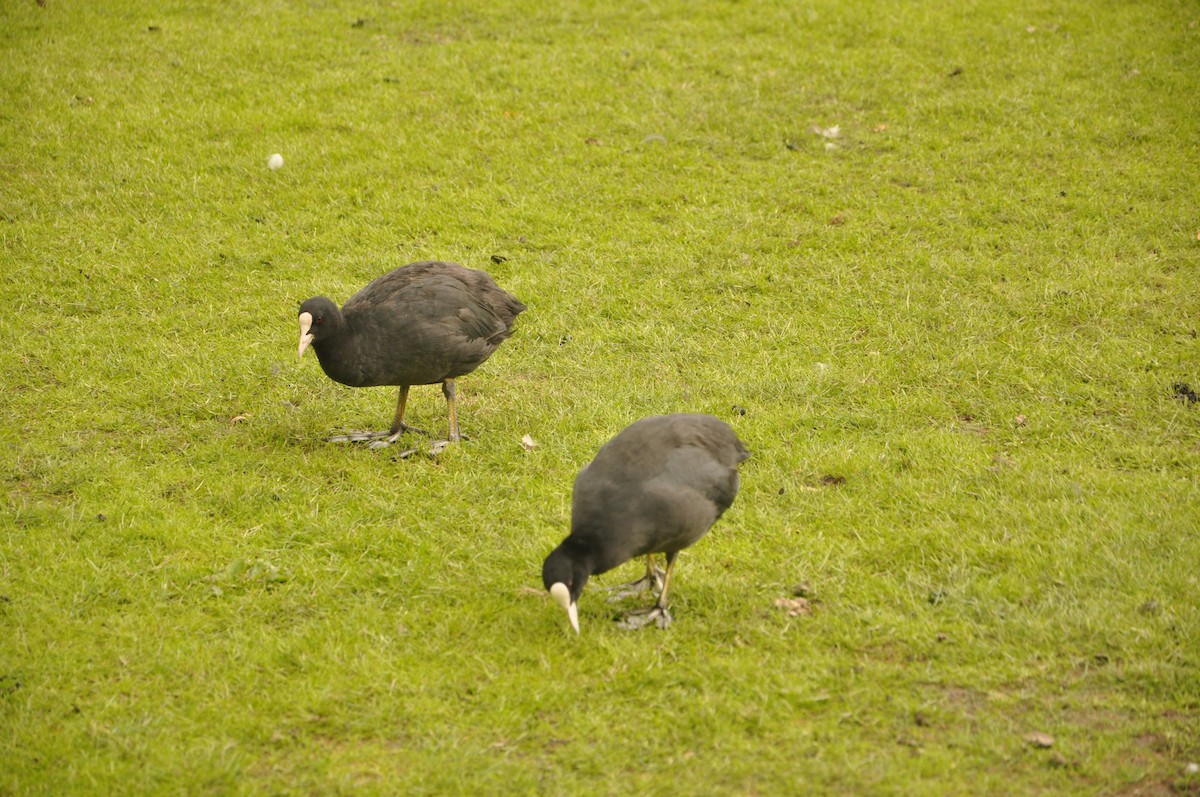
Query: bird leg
point(651, 582)
point(448, 392)
point(382, 439)
point(399, 427)
point(658, 613)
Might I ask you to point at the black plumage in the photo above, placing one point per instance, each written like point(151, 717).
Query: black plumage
point(421, 324)
point(657, 487)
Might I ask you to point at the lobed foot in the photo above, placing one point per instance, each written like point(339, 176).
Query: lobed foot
point(651, 582)
point(406, 453)
point(435, 448)
point(658, 615)
point(376, 439)
point(360, 437)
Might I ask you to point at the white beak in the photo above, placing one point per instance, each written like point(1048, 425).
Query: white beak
point(562, 596)
point(305, 337)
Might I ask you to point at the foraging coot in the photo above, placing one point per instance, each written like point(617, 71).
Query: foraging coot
point(420, 324)
point(656, 487)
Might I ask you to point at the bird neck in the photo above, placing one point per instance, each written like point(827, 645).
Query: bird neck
point(338, 350)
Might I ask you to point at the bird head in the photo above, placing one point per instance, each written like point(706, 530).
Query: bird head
point(314, 314)
point(564, 577)
point(562, 596)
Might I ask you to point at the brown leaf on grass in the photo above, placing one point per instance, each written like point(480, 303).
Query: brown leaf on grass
point(795, 607)
point(236, 419)
point(1040, 740)
point(528, 443)
point(999, 463)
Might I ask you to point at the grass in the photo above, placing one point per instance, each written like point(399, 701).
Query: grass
point(953, 330)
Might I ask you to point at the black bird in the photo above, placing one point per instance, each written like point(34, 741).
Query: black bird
point(656, 487)
point(420, 324)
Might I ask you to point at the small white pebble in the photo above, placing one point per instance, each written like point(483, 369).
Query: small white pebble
point(1192, 768)
point(275, 161)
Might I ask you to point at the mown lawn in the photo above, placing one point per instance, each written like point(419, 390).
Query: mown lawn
point(936, 263)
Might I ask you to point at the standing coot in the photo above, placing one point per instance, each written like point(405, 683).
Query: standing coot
point(420, 324)
point(656, 487)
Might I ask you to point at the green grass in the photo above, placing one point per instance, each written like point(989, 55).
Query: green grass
point(969, 308)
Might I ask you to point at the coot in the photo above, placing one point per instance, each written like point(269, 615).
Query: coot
point(421, 324)
point(656, 487)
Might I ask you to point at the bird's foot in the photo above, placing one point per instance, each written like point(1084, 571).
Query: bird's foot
point(358, 437)
point(435, 448)
point(438, 446)
point(374, 439)
point(404, 427)
point(406, 453)
point(658, 615)
point(651, 582)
